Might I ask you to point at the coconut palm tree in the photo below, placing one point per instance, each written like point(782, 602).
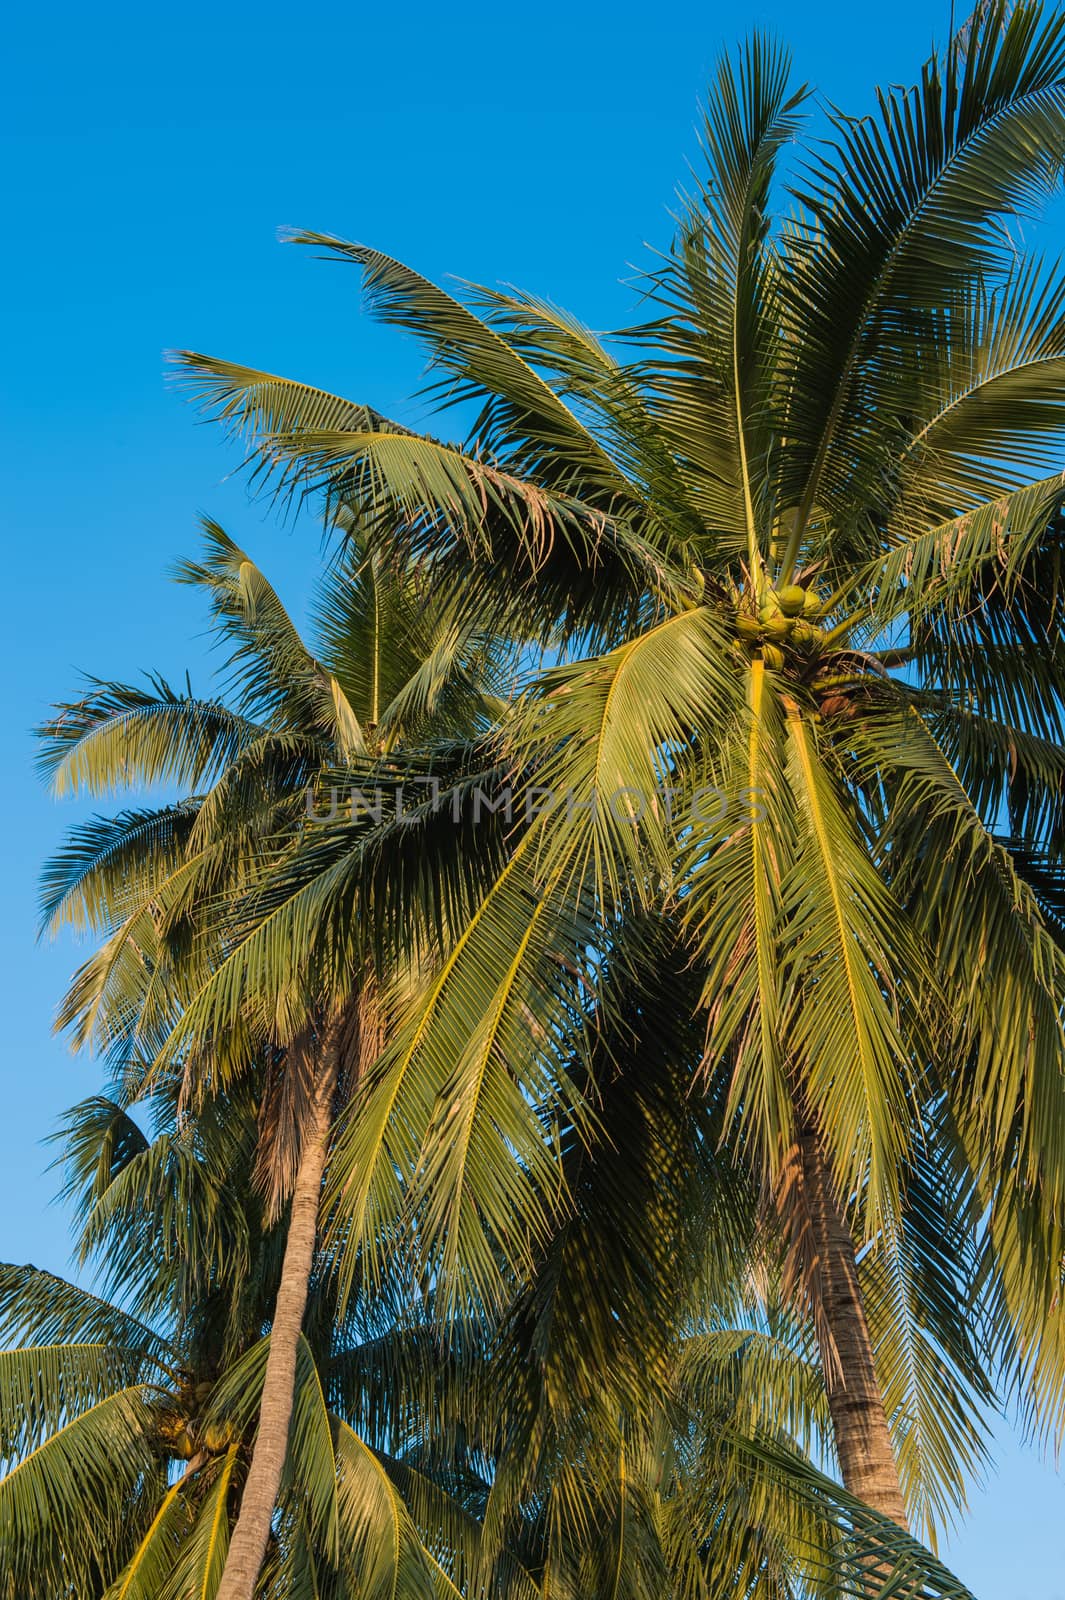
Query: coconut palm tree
point(168, 885)
point(793, 540)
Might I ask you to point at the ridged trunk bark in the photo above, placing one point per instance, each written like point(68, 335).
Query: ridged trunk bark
point(247, 1547)
point(863, 1441)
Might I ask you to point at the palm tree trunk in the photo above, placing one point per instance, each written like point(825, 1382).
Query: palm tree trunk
point(247, 1547)
point(863, 1441)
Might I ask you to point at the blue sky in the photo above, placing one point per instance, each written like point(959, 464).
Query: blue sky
point(150, 155)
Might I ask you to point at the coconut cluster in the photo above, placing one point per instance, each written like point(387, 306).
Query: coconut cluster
point(782, 617)
point(185, 1435)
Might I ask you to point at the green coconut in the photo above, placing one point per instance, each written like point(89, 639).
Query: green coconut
point(806, 636)
point(811, 605)
point(792, 599)
point(773, 657)
point(778, 626)
point(748, 627)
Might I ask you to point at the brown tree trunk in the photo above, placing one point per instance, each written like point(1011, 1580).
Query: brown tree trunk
point(863, 1442)
point(247, 1547)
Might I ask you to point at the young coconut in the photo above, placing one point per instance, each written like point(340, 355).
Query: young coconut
point(792, 599)
point(217, 1436)
point(805, 635)
point(778, 626)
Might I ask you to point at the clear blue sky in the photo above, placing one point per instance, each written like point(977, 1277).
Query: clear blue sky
point(150, 153)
